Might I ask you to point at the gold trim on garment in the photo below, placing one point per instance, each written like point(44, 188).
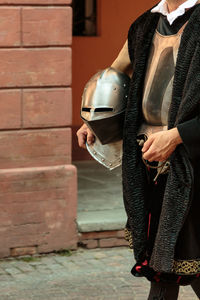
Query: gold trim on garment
point(180, 267)
point(186, 267)
point(128, 237)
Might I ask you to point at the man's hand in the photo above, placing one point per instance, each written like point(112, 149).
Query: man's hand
point(85, 134)
point(161, 145)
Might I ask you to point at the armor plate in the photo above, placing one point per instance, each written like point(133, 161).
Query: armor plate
point(103, 108)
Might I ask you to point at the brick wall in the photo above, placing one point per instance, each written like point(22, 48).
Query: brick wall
point(37, 180)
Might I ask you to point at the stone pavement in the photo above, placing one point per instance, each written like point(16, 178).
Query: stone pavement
point(96, 274)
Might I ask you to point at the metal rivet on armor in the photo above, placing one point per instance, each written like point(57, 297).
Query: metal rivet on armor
point(95, 152)
point(124, 84)
point(110, 165)
point(126, 96)
point(102, 159)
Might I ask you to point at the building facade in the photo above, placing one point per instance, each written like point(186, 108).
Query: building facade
point(37, 179)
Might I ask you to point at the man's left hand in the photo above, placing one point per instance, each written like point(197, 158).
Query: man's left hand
point(161, 145)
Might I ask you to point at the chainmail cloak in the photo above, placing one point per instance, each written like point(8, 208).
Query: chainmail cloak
point(185, 106)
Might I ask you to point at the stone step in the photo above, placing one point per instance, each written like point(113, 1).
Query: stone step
point(101, 214)
point(103, 220)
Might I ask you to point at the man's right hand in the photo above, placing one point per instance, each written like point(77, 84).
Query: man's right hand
point(84, 135)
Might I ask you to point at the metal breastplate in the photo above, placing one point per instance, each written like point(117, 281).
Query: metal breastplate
point(158, 83)
point(159, 78)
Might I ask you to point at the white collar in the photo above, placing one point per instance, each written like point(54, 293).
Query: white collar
point(171, 17)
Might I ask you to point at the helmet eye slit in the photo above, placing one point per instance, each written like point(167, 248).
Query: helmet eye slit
point(103, 109)
point(86, 109)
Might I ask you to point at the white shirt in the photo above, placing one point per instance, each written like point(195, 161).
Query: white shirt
point(171, 17)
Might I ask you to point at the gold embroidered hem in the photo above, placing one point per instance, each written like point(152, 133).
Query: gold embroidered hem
point(186, 267)
point(128, 237)
point(180, 267)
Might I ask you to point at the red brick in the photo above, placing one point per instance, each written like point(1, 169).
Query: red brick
point(120, 234)
point(23, 251)
point(10, 108)
point(113, 242)
point(35, 148)
point(47, 26)
point(90, 244)
point(41, 2)
point(10, 27)
point(47, 108)
point(98, 235)
point(38, 206)
point(35, 67)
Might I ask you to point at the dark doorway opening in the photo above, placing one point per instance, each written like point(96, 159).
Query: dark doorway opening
point(84, 17)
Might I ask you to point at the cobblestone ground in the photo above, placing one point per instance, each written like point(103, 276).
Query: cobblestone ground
point(85, 274)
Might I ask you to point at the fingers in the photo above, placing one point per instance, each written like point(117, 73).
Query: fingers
point(149, 155)
point(147, 144)
point(149, 149)
point(81, 140)
point(82, 136)
point(85, 134)
point(155, 154)
point(90, 137)
point(159, 146)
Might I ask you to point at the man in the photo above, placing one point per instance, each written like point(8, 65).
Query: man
point(161, 145)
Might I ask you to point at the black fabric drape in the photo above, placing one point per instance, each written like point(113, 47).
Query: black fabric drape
point(180, 187)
